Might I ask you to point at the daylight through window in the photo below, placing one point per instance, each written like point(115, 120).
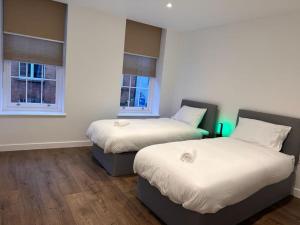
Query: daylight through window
point(135, 91)
point(32, 87)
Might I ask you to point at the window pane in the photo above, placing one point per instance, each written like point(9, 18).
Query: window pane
point(49, 90)
point(139, 91)
point(50, 72)
point(18, 90)
point(34, 91)
point(124, 96)
point(22, 69)
point(38, 71)
point(133, 99)
point(15, 69)
point(126, 80)
point(143, 82)
point(133, 81)
point(143, 97)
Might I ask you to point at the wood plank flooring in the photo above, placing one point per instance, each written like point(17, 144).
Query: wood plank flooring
point(66, 187)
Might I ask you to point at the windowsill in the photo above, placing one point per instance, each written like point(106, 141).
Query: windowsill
point(55, 114)
point(137, 114)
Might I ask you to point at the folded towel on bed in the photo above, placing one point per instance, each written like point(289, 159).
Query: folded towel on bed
point(121, 123)
point(188, 156)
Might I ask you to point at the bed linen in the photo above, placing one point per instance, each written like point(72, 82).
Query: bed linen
point(224, 172)
point(140, 133)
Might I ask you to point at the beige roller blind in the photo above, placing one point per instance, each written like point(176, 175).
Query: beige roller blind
point(36, 18)
point(34, 31)
point(142, 39)
point(32, 50)
point(139, 65)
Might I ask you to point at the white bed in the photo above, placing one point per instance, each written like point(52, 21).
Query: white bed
point(115, 142)
point(225, 171)
point(140, 133)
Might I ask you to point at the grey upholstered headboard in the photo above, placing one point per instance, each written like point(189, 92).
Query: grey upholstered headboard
point(292, 143)
point(209, 120)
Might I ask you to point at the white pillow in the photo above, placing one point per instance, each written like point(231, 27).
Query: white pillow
point(262, 133)
point(190, 115)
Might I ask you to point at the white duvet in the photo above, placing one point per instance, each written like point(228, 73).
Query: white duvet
point(224, 172)
point(139, 133)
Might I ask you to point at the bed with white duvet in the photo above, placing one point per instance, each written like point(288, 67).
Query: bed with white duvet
point(224, 171)
point(116, 141)
point(135, 134)
point(221, 181)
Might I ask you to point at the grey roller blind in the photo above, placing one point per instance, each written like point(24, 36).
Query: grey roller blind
point(34, 31)
point(139, 65)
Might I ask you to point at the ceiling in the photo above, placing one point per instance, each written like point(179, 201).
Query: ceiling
point(193, 14)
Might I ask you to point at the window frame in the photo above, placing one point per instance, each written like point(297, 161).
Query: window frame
point(146, 110)
point(8, 107)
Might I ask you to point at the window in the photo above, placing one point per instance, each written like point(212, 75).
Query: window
point(32, 87)
point(34, 46)
point(140, 89)
point(136, 93)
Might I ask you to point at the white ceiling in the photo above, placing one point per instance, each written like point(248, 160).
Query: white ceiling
point(193, 14)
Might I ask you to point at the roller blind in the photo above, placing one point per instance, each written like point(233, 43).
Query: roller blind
point(34, 31)
point(32, 50)
point(142, 39)
point(139, 65)
point(36, 18)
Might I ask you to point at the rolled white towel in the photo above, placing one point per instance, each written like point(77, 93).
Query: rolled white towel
point(188, 156)
point(121, 123)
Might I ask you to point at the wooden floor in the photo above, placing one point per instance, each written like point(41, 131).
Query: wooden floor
point(66, 187)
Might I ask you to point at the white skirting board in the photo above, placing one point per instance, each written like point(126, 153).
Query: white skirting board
point(44, 145)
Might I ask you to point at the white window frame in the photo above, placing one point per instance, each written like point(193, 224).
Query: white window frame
point(138, 110)
point(7, 107)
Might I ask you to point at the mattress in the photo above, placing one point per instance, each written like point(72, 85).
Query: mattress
point(140, 133)
point(225, 171)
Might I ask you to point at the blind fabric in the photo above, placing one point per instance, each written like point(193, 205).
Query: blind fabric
point(142, 39)
point(139, 65)
point(36, 18)
point(32, 50)
point(34, 31)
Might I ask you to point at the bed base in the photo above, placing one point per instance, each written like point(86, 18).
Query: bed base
point(120, 164)
point(175, 214)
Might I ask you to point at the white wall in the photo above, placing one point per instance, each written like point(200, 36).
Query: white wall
point(93, 72)
point(170, 59)
point(253, 65)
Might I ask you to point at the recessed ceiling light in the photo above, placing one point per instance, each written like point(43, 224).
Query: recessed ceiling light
point(169, 5)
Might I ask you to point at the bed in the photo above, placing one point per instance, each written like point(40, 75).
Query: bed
point(120, 162)
point(174, 213)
